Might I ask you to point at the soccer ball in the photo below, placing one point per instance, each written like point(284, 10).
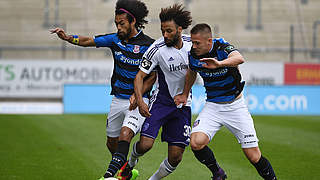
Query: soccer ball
point(110, 178)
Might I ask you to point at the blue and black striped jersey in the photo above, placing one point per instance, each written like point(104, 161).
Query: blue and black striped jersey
point(127, 58)
point(221, 84)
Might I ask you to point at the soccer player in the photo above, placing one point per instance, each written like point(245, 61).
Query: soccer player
point(217, 63)
point(128, 46)
point(168, 56)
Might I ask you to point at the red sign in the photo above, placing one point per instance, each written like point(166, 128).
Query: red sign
point(303, 74)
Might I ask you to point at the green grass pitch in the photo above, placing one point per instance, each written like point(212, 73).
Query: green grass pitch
point(58, 147)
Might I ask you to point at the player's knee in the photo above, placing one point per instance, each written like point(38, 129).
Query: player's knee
point(254, 158)
point(126, 134)
point(197, 144)
point(253, 154)
point(198, 141)
point(175, 159)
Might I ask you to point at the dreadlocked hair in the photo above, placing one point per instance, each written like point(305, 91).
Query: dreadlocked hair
point(178, 14)
point(137, 8)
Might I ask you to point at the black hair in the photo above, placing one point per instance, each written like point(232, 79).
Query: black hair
point(178, 14)
point(203, 28)
point(137, 8)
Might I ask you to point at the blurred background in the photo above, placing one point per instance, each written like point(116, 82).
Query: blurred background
point(279, 40)
point(272, 30)
point(54, 96)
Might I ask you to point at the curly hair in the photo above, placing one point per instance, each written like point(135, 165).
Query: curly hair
point(178, 14)
point(134, 9)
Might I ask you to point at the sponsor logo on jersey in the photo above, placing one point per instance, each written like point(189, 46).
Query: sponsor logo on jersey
point(171, 59)
point(217, 73)
point(126, 60)
point(146, 64)
point(136, 49)
point(179, 67)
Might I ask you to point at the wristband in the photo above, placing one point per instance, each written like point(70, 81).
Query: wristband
point(75, 39)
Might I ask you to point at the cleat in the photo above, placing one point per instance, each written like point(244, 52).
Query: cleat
point(135, 174)
point(127, 173)
point(220, 175)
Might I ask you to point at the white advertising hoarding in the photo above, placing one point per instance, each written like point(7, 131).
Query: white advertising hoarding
point(45, 78)
point(262, 73)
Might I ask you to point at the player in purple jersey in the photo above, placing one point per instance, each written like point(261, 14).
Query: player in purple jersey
point(168, 56)
point(217, 63)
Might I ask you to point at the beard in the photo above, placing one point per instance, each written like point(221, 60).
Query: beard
point(173, 41)
point(122, 35)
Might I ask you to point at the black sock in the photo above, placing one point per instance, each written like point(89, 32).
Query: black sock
point(265, 169)
point(119, 158)
point(206, 157)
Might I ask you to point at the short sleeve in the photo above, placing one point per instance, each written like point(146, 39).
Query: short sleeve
point(104, 40)
point(150, 59)
point(226, 47)
point(223, 48)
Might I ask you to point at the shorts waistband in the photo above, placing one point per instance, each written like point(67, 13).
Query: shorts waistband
point(229, 102)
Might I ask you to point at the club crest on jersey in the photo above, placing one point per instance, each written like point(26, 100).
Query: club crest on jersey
point(136, 49)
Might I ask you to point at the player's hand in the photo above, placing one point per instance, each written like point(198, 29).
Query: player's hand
point(144, 110)
point(180, 99)
point(210, 63)
point(61, 34)
point(133, 102)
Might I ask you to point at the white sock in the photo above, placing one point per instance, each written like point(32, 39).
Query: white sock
point(133, 159)
point(164, 170)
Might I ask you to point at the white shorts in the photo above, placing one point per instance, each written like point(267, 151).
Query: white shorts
point(120, 116)
point(234, 116)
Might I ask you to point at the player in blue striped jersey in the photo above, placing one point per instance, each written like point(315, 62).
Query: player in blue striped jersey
point(217, 63)
point(128, 46)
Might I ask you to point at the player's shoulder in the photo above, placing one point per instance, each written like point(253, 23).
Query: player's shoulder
point(112, 35)
point(159, 43)
point(148, 38)
point(219, 41)
point(143, 39)
point(154, 48)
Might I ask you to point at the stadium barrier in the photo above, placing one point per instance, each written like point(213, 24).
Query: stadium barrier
point(261, 100)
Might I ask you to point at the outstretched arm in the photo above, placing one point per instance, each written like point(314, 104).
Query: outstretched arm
point(74, 39)
point(233, 60)
point(189, 81)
